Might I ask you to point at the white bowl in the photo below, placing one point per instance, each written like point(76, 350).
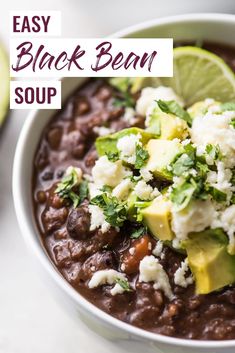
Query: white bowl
point(214, 27)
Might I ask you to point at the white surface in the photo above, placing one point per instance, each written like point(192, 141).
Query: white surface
point(30, 320)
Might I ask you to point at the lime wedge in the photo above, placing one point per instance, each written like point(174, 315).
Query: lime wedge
point(4, 85)
point(199, 74)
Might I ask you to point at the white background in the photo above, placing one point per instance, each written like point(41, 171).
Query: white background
point(30, 320)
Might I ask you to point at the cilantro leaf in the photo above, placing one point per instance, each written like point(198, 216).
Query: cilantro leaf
point(66, 187)
point(126, 101)
point(182, 165)
point(112, 156)
point(115, 212)
point(182, 195)
point(216, 194)
point(185, 161)
point(83, 190)
point(232, 123)
point(124, 284)
point(141, 157)
point(106, 188)
point(213, 151)
point(172, 107)
point(138, 232)
point(202, 168)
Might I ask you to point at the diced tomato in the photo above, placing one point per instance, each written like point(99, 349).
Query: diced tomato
point(139, 249)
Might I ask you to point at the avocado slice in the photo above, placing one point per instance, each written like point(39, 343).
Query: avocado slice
point(161, 154)
point(167, 126)
point(157, 218)
point(4, 85)
point(108, 143)
point(213, 268)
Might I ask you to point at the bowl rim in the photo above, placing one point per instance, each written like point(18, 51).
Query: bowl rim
point(25, 223)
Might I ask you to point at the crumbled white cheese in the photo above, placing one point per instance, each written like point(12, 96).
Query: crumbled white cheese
point(146, 174)
point(215, 129)
point(88, 177)
point(221, 179)
point(194, 218)
point(185, 142)
point(180, 278)
point(152, 271)
point(78, 172)
point(127, 147)
point(145, 191)
point(132, 251)
point(129, 116)
point(121, 191)
point(107, 277)
point(150, 94)
point(102, 130)
point(94, 190)
point(109, 173)
point(117, 289)
point(157, 251)
point(97, 219)
point(123, 267)
point(226, 219)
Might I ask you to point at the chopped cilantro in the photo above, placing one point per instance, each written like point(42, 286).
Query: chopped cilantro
point(232, 123)
point(112, 156)
point(141, 157)
point(202, 168)
point(182, 195)
point(124, 284)
point(182, 164)
point(66, 188)
point(115, 212)
point(216, 194)
point(126, 101)
point(83, 190)
point(138, 232)
point(213, 151)
point(228, 106)
point(106, 188)
point(185, 161)
point(173, 107)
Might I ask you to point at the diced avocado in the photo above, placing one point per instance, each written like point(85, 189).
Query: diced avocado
point(167, 126)
point(108, 143)
point(161, 154)
point(157, 218)
point(213, 268)
point(200, 108)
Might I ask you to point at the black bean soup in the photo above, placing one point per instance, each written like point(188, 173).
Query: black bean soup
point(77, 252)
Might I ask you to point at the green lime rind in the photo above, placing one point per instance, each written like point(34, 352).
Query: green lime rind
point(200, 74)
point(4, 84)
